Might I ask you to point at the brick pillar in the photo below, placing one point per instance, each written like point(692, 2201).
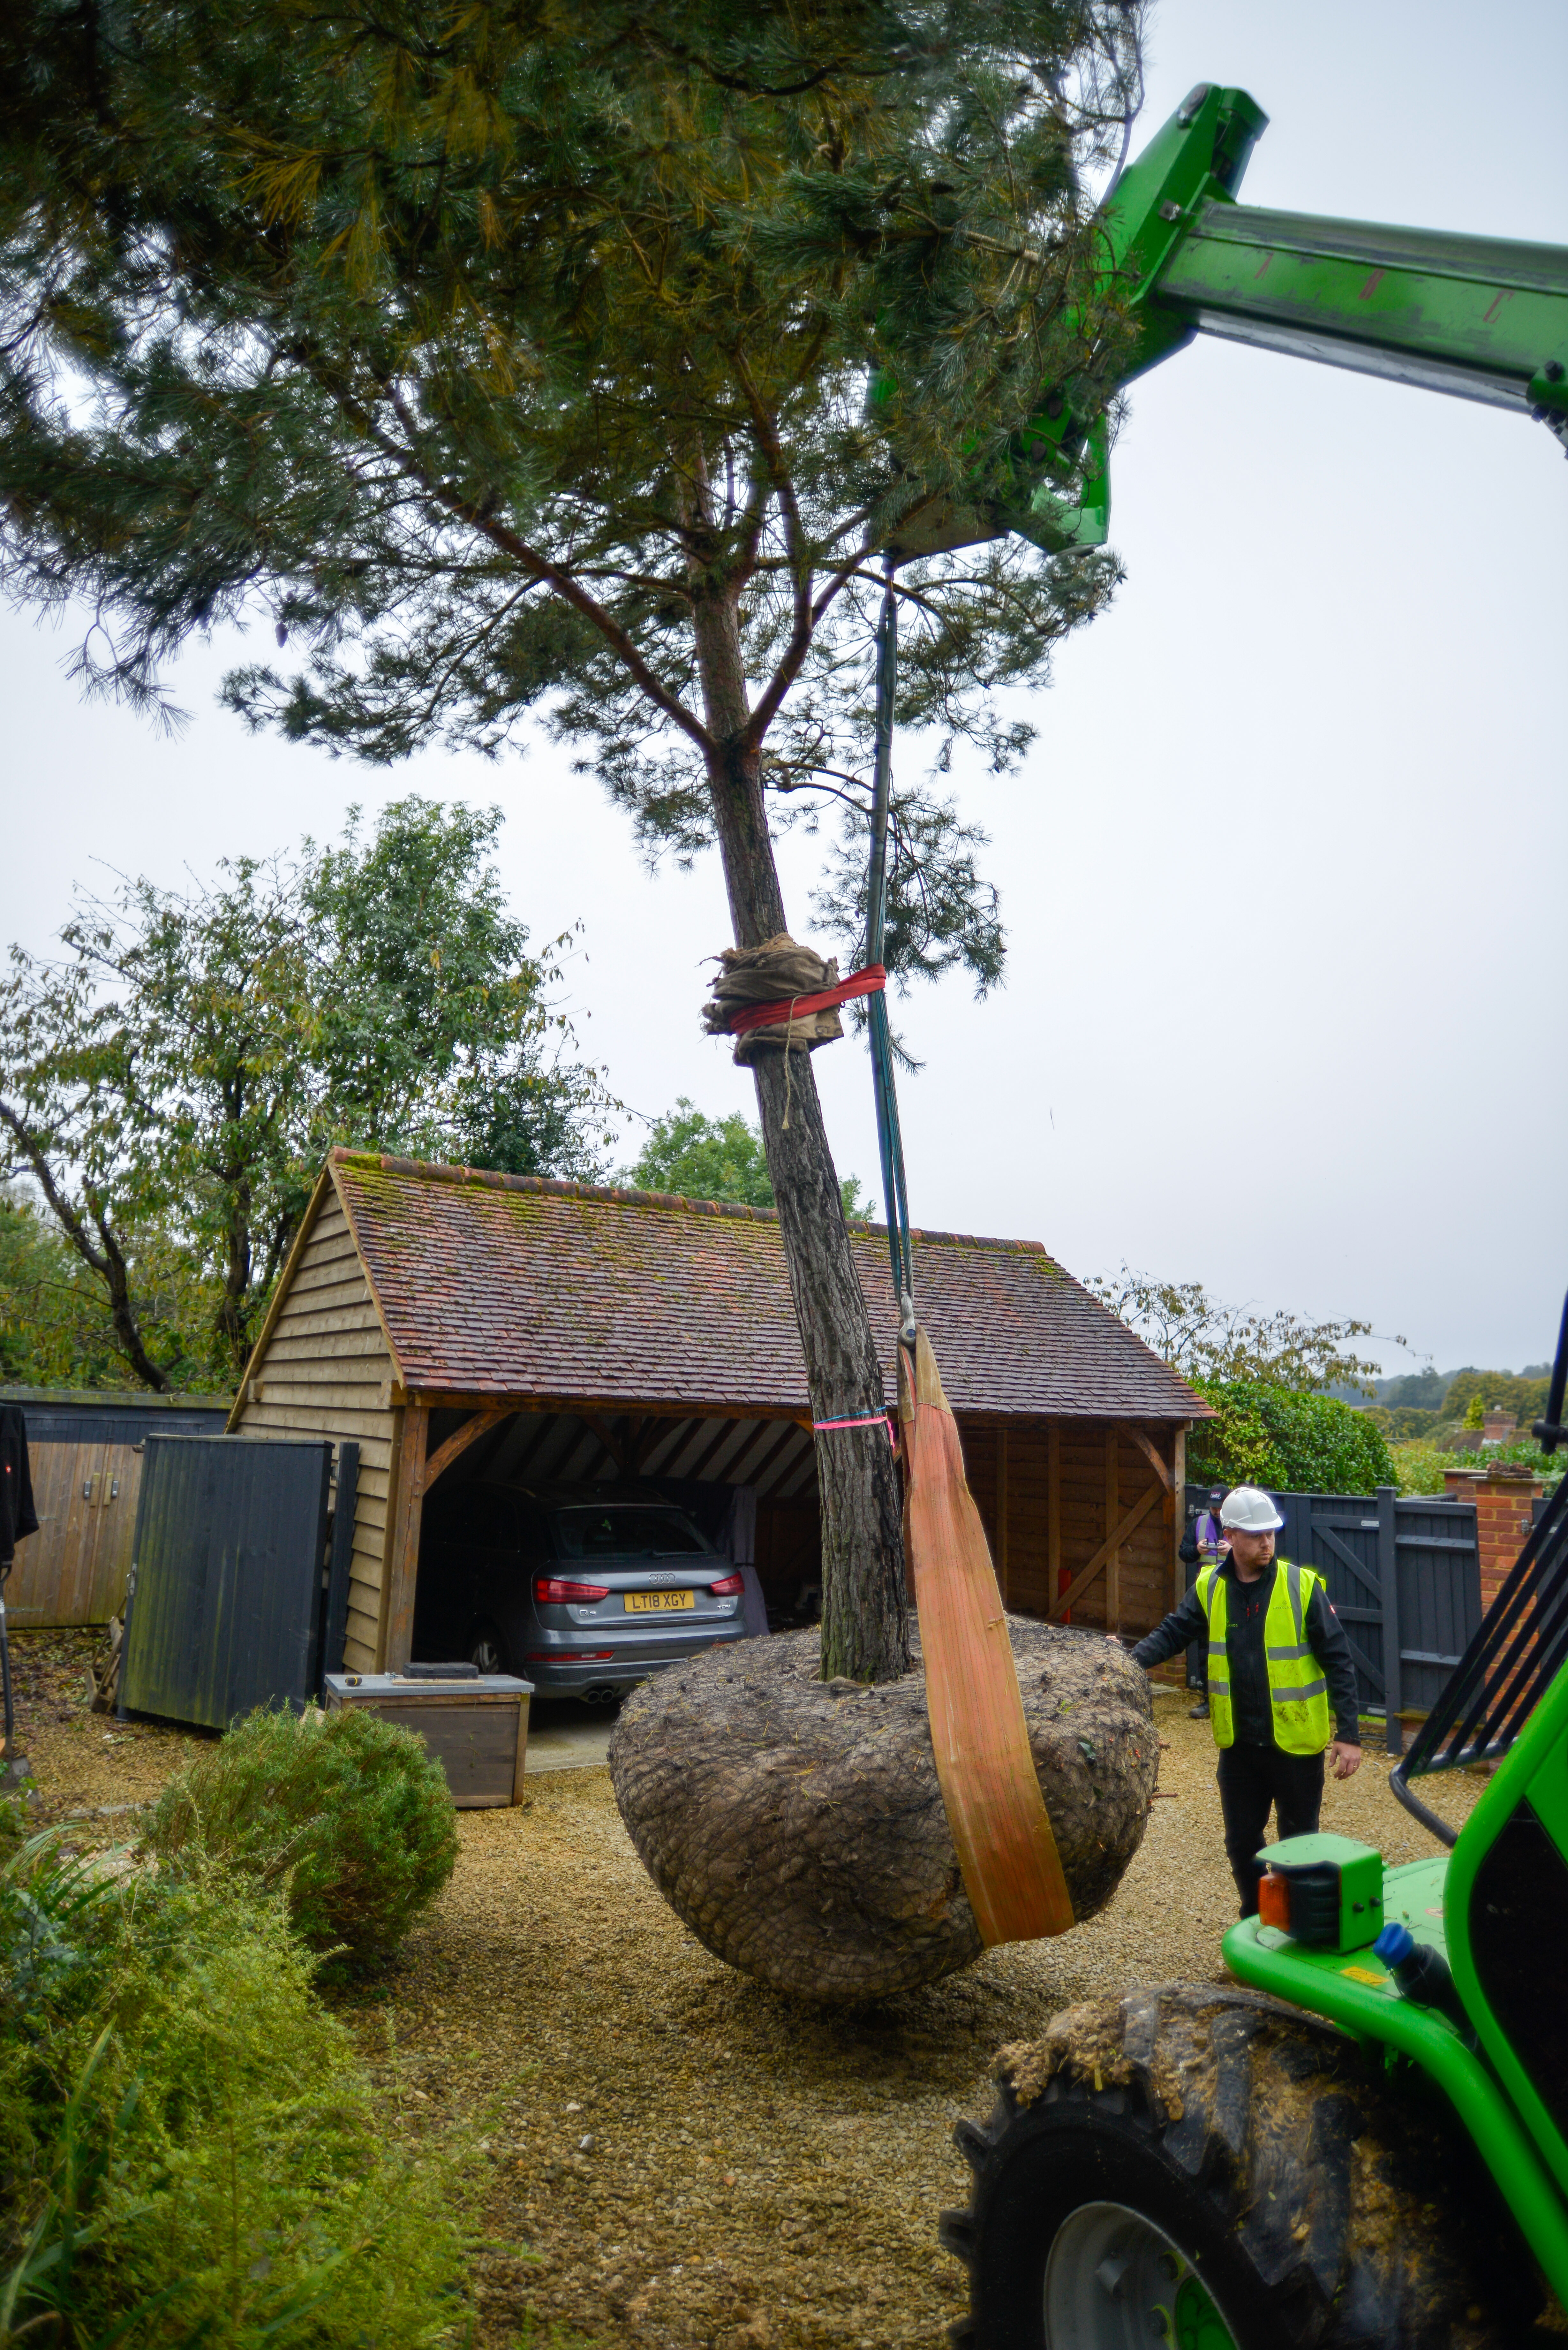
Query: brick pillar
point(1502, 1497)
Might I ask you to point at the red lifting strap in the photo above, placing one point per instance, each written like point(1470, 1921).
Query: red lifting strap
point(869, 981)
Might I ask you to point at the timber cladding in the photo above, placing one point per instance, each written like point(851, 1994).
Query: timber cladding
point(453, 1321)
point(323, 1366)
point(1082, 1517)
point(86, 1453)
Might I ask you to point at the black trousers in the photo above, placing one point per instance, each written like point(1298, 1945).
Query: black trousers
point(1254, 1781)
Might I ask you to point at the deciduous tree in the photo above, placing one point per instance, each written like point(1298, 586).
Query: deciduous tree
point(173, 1079)
point(707, 1157)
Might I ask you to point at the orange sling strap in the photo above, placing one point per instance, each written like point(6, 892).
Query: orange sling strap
point(1012, 1869)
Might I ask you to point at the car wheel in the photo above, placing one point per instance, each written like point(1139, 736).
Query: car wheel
point(487, 1650)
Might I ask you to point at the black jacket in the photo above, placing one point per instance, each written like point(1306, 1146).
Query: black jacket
point(1246, 1608)
point(18, 1515)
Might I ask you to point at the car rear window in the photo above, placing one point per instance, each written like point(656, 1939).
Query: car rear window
point(625, 1533)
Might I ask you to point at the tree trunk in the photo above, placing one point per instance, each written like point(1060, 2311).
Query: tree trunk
point(865, 1622)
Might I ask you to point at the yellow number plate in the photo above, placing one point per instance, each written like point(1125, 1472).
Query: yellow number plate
point(658, 1602)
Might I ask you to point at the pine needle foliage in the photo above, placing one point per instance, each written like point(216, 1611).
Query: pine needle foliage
point(574, 362)
point(515, 359)
point(349, 1815)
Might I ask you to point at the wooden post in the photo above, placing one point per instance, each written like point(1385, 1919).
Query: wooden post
point(1001, 1511)
point(403, 1560)
point(1388, 1576)
point(1179, 1513)
point(1113, 1512)
point(1053, 1584)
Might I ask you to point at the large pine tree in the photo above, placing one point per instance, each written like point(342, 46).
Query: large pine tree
point(513, 359)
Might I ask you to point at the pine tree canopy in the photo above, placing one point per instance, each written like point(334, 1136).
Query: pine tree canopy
point(512, 360)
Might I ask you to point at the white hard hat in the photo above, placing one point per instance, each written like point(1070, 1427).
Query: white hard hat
point(1250, 1511)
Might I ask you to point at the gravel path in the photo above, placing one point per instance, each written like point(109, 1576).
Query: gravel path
point(698, 2162)
point(695, 2162)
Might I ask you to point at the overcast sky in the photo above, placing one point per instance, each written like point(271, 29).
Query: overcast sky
point(1284, 875)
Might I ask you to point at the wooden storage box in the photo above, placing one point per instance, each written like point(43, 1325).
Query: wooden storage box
point(477, 1730)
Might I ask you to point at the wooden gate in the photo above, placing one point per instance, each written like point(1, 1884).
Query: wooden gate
point(73, 1570)
point(84, 1449)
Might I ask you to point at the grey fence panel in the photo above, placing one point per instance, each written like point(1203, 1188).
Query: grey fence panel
point(1339, 1535)
point(1404, 1579)
point(1440, 1592)
point(225, 1606)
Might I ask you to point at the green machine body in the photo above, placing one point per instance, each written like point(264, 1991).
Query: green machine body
point(1325, 1891)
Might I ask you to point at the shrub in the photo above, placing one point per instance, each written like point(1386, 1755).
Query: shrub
point(1290, 1440)
point(346, 1814)
point(194, 2151)
point(1418, 1468)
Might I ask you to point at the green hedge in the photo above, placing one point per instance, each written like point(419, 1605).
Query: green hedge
point(1287, 1440)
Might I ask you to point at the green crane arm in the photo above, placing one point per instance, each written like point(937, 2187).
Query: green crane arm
point(1484, 319)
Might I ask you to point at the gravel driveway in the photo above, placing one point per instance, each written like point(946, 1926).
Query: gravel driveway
point(696, 2161)
point(692, 2161)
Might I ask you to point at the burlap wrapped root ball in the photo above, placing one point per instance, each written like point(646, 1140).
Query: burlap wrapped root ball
point(797, 1826)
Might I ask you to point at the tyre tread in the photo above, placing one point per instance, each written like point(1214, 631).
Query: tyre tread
point(1347, 2203)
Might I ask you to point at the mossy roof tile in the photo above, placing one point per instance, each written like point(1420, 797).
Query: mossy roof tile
point(520, 1286)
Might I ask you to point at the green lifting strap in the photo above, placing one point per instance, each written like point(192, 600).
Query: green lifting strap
point(889, 1137)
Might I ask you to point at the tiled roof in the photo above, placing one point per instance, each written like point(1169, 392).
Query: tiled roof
point(521, 1285)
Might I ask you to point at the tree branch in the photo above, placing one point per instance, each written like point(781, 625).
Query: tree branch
point(507, 542)
point(108, 1262)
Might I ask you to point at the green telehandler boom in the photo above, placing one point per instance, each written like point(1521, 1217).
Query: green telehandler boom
point(1361, 2139)
point(1482, 317)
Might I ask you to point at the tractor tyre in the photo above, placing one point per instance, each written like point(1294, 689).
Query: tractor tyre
point(1212, 2169)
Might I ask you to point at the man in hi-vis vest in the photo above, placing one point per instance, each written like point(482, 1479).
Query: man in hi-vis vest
point(1282, 1683)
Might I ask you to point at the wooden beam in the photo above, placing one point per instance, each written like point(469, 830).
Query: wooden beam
point(1124, 1533)
point(709, 1451)
point(577, 1407)
point(1053, 1513)
point(439, 1461)
point(403, 1562)
point(613, 1444)
point(1151, 1453)
point(759, 1469)
point(1001, 1511)
point(1113, 1510)
point(1178, 1513)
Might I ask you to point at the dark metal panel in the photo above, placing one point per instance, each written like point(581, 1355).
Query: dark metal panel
point(1341, 1544)
point(225, 1577)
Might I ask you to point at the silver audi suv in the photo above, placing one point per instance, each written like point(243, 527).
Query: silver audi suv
point(581, 1592)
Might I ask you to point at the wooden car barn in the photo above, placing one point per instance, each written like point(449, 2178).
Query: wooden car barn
point(455, 1322)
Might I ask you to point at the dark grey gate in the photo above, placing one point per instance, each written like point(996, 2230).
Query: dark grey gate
point(1404, 1579)
point(225, 1604)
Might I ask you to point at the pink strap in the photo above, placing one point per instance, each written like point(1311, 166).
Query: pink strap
point(867, 1419)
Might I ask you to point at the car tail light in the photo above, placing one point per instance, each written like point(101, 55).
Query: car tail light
point(727, 1586)
point(554, 1590)
point(570, 1656)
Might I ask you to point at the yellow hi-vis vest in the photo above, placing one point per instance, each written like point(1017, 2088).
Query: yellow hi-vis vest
point(1298, 1692)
